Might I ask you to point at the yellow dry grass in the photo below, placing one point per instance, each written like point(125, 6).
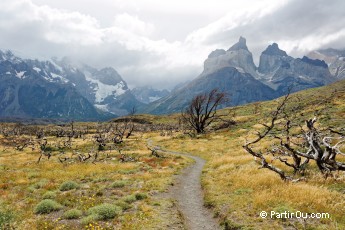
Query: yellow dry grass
point(239, 190)
point(23, 183)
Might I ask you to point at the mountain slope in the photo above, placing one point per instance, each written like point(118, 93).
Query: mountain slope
point(280, 71)
point(147, 94)
point(234, 72)
point(227, 79)
point(26, 93)
point(335, 60)
point(61, 89)
point(104, 88)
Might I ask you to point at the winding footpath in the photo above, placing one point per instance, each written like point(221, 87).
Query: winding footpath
point(188, 193)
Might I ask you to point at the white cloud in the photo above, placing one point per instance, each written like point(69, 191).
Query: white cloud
point(235, 18)
point(56, 26)
point(311, 42)
point(164, 42)
point(133, 24)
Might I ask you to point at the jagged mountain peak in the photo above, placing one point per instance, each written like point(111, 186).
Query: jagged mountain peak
point(216, 53)
point(238, 56)
point(274, 50)
point(315, 62)
point(334, 58)
point(241, 44)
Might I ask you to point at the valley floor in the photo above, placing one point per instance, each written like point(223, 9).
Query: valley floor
point(92, 181)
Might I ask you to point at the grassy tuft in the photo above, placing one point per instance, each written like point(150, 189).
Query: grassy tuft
point(130, 198)
point(89, 219)
point(6, 218)
point(72, 214)
point(47, 206)
point(105, 211)
point(68, 185)
point(140, 196)
point(119, 184)
point(49, 195)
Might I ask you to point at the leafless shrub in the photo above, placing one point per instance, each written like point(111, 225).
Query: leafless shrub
point(297, 144)
point(202, 110)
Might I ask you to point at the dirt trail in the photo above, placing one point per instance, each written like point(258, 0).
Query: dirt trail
point(188, 193)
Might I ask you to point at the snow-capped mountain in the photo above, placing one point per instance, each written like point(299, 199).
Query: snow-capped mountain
point(96, 93)
point(104, 88)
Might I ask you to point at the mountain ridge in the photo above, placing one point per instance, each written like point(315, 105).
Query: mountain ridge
point(91, 93)
point(276, 74)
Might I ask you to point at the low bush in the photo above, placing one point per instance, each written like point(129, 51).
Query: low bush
point(105, 211)
point(88, 219)
point(129, 198)
point(68, 185)
point(47, 206)
point(72, 214)
point(118, 184)
point(140, 196)
point(6, 218)
point(49, 195)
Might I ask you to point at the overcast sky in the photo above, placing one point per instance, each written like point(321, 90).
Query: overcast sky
point(162, 43)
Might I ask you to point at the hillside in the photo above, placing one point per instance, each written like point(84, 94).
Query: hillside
point(135, 180)
point(239, 190)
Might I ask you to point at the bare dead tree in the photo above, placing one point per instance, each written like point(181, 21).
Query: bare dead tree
point(43, 147)
point(154, 151)
point(256, 107)
point(122, 130)
point(202, 110)
point(297, 144)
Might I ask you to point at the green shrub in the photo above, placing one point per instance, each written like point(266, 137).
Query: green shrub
point(6, 218)
point(49, 195)
point(122, 204)
point(129, 198)
point(140, 196)
point(72, 214)
point(68, 185)
point(38, 185)
point(47, 206)
point(89, 219)
point(105, 211)
point(118, 184)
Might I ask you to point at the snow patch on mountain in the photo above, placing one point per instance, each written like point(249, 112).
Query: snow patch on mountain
point(57, 76)
point(37, 69)
point(20, 74)
point(102, 90)
point(152, 99)
point(102, 107)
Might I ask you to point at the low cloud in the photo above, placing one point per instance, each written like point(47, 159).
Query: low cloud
point(144, 48)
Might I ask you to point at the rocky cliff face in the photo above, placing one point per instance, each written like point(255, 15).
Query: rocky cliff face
point(234, 72)
point(335, 60)
point(237, 56)
point(273, 58)
point(280, 71)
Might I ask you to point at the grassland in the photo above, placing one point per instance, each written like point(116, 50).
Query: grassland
point(235, 188)
point(127, 190)
point(238, 190)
